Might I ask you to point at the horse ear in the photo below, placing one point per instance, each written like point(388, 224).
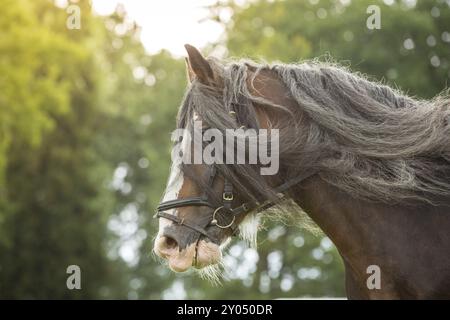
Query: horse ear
point(198, 65)
point(189, 71)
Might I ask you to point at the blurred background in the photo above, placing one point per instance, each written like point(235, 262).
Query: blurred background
point(85, 121)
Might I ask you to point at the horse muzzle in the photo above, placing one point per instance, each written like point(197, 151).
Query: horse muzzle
point(199, 255)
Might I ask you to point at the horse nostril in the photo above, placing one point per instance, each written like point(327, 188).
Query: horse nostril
point(165, 246)
point(170, 243)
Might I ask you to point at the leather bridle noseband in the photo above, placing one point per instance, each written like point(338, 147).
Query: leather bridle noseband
point(226, 207)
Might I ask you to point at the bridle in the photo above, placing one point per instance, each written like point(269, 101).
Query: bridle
point(232, 214)
point(227, 199)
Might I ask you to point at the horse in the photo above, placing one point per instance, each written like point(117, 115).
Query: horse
point(368, 164)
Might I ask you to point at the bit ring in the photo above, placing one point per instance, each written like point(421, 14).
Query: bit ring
point(214, 220)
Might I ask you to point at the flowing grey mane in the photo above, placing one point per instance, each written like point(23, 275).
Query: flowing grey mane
point(363, 137)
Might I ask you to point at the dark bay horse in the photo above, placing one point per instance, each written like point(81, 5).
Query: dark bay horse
point(370, 165)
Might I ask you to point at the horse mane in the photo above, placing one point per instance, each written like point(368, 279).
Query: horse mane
point(367, 139)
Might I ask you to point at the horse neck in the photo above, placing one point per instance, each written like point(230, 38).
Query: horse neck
point(327, 208)
point(404, 241)
point(360, 230)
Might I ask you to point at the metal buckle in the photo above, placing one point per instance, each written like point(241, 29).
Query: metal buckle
point(228, 196)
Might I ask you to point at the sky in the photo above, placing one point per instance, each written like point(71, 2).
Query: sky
point(168, 24)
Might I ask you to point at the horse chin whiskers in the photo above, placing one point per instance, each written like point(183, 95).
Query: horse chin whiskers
point(212, 270)
point(212, 273)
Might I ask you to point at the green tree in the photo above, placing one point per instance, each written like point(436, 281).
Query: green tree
point(54, 210)
point(410, 35)
point(34, 68)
